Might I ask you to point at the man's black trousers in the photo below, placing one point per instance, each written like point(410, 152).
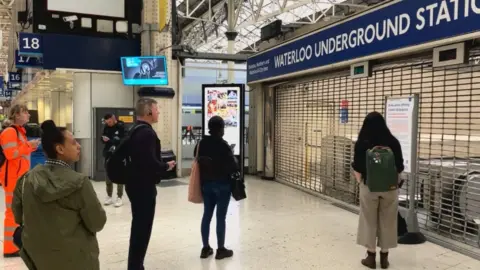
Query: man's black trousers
point(143, 201)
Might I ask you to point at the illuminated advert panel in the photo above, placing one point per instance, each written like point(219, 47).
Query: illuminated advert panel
point(226, 101)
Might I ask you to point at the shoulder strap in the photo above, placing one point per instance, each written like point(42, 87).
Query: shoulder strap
point(198, 149)
point(135, 128)
point(12, 126)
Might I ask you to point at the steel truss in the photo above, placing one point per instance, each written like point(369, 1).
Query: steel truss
point(204, 22)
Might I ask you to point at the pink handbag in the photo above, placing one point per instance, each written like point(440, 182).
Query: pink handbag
point(194, 186)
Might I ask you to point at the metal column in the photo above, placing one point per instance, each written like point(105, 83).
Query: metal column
point(157, 40)
point(269, 134)
point(231, 36)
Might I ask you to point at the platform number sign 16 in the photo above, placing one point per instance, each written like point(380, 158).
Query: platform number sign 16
point(15, 77)
point(30, 44)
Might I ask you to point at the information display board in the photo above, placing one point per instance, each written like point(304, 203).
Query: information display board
point(149, 70)
point(402, 120)
point(226, 101)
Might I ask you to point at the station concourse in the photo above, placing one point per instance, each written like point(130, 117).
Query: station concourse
point(278, 227)
point(293, 81)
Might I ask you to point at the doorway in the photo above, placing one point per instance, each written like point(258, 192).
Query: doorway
point(127, 115)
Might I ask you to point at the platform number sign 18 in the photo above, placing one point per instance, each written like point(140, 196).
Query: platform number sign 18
point(30, 44)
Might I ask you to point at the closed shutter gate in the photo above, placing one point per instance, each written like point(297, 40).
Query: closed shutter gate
point(314, 144)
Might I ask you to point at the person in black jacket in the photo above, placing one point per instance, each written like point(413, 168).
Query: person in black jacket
point(113, 133)
point(378, 210)
point(217, 163)
point(147, 170)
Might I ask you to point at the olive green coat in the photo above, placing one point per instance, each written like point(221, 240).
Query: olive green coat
point(61, 215)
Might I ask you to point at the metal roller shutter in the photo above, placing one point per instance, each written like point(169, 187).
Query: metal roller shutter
point(314, 149)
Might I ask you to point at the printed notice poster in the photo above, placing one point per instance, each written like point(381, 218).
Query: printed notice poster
point(399, 117)
point(224, 101)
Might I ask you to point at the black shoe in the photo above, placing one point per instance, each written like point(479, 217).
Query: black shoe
point(12, 255)
point(206, 252)
point(223, 253)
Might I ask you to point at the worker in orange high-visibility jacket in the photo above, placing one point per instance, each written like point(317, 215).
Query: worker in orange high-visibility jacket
point(17, 150)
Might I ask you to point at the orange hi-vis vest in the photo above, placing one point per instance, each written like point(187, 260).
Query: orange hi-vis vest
point(17, 153)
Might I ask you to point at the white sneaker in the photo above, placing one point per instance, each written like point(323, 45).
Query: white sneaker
point(108, 201)
point(119, 202)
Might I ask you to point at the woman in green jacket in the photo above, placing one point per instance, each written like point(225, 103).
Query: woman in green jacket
point(58, 208)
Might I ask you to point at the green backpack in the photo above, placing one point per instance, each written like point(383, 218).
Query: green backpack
point(382, 173)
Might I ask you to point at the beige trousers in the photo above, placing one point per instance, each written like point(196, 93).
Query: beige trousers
point(378, 219)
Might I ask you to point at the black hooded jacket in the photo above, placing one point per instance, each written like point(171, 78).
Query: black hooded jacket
point(115, 133)
point(216, 159)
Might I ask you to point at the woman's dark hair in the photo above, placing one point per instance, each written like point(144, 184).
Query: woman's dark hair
point(374, 130)
point(215, 125)
point(51, 136)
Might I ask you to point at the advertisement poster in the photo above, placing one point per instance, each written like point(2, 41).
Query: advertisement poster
point(399, 117)
point(144, 70)
point(224, 101)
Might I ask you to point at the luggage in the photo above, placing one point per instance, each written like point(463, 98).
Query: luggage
point(382, 173)
point(168, 156)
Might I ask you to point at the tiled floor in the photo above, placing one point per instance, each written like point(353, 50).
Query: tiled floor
point(276, 228)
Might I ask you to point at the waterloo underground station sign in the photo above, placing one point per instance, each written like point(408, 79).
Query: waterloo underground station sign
point(400, 25)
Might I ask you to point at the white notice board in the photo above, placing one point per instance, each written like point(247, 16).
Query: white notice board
point(110, 8)
point(402, 120)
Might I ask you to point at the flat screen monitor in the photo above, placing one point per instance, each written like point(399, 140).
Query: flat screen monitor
point(145, 70)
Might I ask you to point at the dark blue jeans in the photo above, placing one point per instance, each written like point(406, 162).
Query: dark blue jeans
point(215, 193)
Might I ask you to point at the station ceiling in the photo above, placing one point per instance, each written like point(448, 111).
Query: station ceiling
point(203, 23)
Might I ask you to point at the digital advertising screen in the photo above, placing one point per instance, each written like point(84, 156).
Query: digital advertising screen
point(225, 101)
point(149, 70)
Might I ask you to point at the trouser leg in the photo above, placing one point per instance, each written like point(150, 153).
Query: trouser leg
point(223, 201)
point(9, 220)
point(209, 202)
point(387, 220)
point(143, 213)
point(109, 185)
point(120, 191)
point(368, 220)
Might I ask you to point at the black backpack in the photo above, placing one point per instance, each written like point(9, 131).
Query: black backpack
point(3, 158)
point(118, 163)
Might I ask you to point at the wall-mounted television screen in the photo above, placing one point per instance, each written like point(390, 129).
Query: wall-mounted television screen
point(145, 70)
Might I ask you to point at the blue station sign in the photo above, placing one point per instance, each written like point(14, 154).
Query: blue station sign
point(14, 81)
point(28, 61)
point(30, 44)
point(400, 25)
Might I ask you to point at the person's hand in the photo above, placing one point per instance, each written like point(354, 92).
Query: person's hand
point(105, 138)
point(34, 143)
point(171, 164)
